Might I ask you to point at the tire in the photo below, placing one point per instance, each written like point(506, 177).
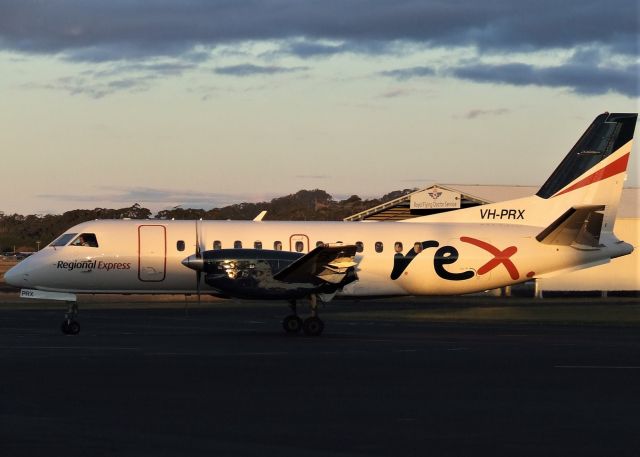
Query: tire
point(64, 327)
point(292, 324)
point(70, 327)
point(74, 328)
point(313, 326)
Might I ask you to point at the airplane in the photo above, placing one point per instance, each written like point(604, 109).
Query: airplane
point(567, 225)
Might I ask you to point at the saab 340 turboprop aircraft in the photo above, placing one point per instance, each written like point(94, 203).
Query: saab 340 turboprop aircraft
point(566, 226)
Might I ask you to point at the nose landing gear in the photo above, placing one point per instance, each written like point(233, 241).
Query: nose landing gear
point(69, 325)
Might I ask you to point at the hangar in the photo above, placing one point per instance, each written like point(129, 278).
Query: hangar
point(620, 276)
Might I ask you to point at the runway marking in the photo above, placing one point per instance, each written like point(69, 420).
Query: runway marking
point(83, 348)
point(598, 367)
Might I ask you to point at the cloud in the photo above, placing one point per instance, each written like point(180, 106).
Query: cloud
point(586, 71)
point(476, 113)
point(151, 196)
point(252, 70)
point(306, 49)
point(91, 30)
point(143, 40)
point(395, 93)
point(586, 79)
point(90, 87)
point(111, 77)
point(409, 73)
point(312, 176)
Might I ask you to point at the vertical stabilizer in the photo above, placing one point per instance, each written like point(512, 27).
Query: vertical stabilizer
point(591, 175)
point(594, 171)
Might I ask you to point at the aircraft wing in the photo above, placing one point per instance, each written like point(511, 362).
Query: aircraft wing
point(330, 263)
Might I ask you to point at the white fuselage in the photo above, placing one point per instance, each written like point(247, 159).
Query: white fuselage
point(145, 256)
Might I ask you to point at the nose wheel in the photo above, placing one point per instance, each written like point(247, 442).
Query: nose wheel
point(70, 325)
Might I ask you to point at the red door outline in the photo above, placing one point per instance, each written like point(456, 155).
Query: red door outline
point(164, 267)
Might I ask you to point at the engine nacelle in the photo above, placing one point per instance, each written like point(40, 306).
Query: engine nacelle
point(249, 273)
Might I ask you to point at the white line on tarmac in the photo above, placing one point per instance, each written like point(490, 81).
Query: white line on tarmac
point(597, 367)
point(83, 348)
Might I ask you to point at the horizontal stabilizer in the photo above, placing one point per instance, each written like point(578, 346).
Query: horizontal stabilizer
point(331, 263)
point(577, 226)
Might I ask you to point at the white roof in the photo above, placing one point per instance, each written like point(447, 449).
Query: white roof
point(629, 202)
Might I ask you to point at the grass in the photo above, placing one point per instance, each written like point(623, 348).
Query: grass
point(465, 309)
point(618, 311)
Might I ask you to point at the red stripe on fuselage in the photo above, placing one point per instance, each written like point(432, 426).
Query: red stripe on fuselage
point(615, 167)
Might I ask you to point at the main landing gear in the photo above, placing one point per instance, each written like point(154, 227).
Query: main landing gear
point(312, 325)
point(70, 325)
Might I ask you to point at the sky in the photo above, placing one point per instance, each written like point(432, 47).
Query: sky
point(208, 103)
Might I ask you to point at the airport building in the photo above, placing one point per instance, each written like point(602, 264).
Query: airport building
point(620, 276)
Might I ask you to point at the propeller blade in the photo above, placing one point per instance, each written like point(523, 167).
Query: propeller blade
point(199, 257)
point(198, 250)
point(198, 279)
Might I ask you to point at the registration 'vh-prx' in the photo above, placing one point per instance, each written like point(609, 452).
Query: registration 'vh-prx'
point(567, 225)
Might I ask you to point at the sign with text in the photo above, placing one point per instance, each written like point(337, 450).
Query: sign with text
point(435, 198)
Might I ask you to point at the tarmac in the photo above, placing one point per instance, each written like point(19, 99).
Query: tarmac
point(387, 378)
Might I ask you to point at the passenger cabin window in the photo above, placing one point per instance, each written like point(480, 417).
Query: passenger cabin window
point(299, 246)
point(257, 245)
point(217, 244)
point(237, 244)
point(417, 247)
point(319, 243)
point(379, 246)
point(62, 240)
point(398, 247)
point(180, 245)
point(277, 245)
point(86, 239)
point(359, 246)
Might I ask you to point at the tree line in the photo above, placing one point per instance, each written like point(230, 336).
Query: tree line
point(27, 233)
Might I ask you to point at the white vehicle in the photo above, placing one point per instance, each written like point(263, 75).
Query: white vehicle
point(566, 226)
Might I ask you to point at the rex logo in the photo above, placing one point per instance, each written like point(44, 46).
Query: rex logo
point(499, 257)
point(447, 255)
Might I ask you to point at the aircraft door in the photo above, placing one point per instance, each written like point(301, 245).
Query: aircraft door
point(152, 253)
point(299, 243)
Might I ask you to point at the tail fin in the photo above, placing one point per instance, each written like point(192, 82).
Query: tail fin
point(594, 170)
point(592, 174)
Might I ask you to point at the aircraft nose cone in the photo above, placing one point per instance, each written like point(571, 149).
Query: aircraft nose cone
point(193, 262)
point(15, 276)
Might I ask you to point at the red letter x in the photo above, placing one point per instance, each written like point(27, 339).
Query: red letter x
point(499, 257)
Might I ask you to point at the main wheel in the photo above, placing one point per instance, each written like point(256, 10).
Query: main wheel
point(292, 324)
point(313, 326)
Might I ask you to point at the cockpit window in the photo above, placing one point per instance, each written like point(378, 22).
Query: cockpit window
point(86, 239)
point(62, 240)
